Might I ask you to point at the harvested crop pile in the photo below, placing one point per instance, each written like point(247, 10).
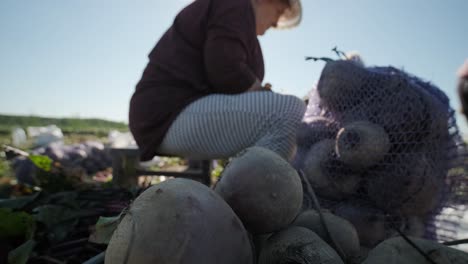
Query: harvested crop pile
point(84, 158)
point(181, 221)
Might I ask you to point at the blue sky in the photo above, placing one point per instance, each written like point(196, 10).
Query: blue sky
point(82, 58)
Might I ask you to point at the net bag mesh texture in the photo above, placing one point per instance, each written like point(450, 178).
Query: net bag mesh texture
point(381, 148)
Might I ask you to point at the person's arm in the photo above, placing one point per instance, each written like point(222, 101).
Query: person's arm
point(226, 49)
point(256, 86)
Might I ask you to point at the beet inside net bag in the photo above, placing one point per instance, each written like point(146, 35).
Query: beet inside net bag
point(381, 148)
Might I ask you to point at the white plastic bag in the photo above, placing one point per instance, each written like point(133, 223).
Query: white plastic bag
point(18, 137)
point(119, 139)
point(43, 136)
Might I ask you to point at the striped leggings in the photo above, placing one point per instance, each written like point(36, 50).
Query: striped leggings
point(219, 126)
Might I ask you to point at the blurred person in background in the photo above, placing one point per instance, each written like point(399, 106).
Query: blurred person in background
point(201, 94)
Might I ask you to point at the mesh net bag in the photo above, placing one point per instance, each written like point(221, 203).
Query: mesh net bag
point(381, 148)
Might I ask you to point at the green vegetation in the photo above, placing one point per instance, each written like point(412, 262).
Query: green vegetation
point(94, 126)
point(5, 169)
